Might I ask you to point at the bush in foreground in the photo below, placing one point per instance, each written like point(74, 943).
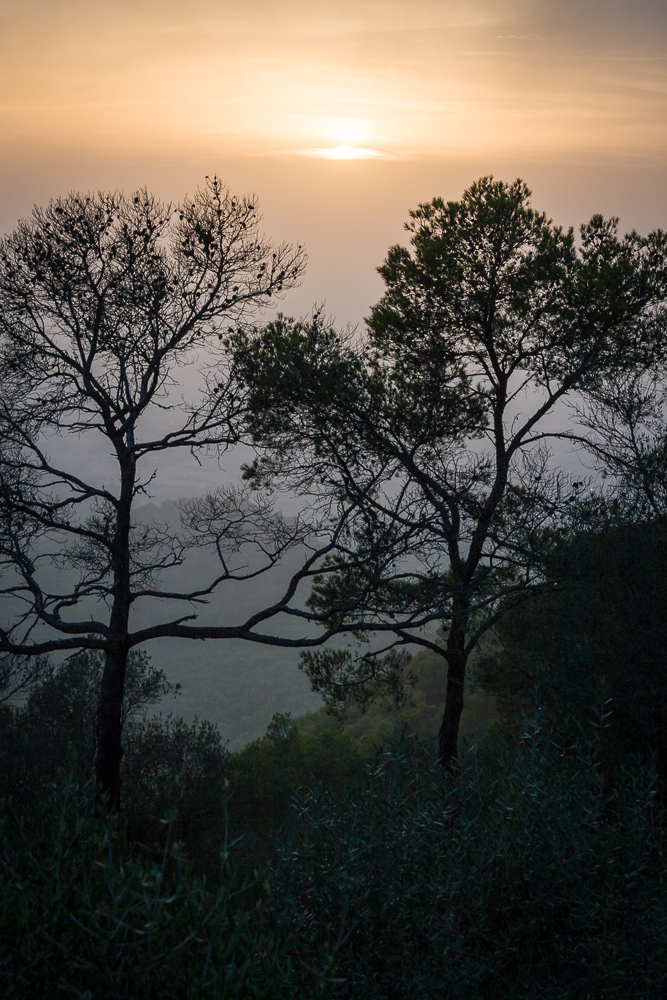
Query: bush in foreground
point(521, 877)
point(82, 917)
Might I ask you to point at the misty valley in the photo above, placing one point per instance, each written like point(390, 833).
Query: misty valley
point(378, 709)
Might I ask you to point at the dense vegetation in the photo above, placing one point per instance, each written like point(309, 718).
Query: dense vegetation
point(362, 869)
point(522, 879)
point(595, 646)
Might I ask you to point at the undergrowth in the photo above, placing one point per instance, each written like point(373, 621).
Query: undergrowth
point(522, 876)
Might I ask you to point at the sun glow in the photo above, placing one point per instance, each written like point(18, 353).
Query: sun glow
point(358, 79)
point(346, 129)
point(346, 153)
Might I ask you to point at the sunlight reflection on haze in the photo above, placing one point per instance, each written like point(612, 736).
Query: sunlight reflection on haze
point(347, 153)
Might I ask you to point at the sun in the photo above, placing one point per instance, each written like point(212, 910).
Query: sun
point(347, 138)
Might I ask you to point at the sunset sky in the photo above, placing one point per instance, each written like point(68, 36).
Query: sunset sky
point(340, 114)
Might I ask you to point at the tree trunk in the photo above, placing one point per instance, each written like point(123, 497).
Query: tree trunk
point(109, 730)
point(448, 737)
point(109, 749)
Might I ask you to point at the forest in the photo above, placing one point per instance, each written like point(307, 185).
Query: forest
point(449, 543)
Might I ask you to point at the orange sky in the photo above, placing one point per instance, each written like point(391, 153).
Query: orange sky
point(570, 95)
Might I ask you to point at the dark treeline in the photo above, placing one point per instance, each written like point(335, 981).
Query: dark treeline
point(484, 817)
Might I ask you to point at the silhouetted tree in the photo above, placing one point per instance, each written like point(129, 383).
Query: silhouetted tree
point(434, 425)
point(103, 299)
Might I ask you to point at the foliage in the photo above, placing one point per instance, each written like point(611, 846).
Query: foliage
point(376, 724)
point(524, 876)
point(433, 427)
point(53, 729)
point(515, 881)
point(81, 915)
point(345, 679)
point(167, 764)
point(166, 761)
point(599, 639)
point(267, 772)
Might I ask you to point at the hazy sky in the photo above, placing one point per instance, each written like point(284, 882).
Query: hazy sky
point(569, 94)
point(402, 78)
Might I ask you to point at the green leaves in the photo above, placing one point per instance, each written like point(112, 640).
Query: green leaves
point(479, 289)
point(511, 881)
point(432, 430)
point(346, 680)
point(296, 371)
point(82, 914)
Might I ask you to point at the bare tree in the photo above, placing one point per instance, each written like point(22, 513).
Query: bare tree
point(104, 298)
point(435, 425)
point(623, 427)
point(18, 674)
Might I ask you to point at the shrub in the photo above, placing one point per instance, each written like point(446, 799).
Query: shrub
point(81, 916)
point(268, 772)
point(513, 881)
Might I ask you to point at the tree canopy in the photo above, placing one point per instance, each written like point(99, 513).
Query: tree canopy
point(435, 422)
